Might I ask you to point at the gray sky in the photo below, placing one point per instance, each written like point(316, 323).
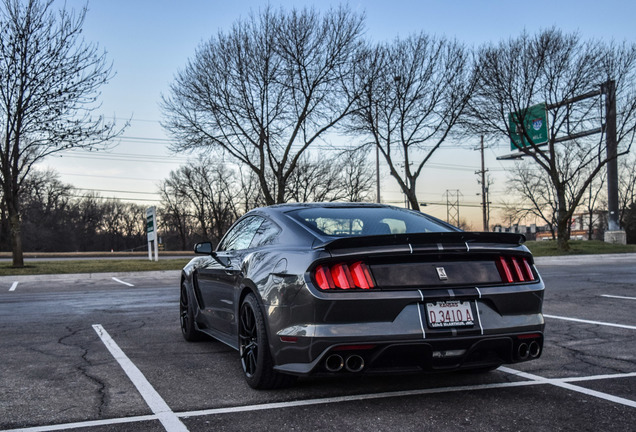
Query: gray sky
point(148, 41)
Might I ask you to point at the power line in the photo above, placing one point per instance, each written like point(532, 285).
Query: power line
point(122, 198)
point(110, 177)
point(145, 139)
point(115, 191)
point(143, 157)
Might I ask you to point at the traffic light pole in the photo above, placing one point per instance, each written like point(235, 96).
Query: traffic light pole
point(614, 234)
point(609, 89)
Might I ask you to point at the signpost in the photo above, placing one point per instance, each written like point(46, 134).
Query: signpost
point(535, 123)
point(151, 230)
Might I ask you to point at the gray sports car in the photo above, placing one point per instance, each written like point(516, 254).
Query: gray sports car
point(304, 289)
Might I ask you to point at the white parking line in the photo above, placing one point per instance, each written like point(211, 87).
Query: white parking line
point(618, 297)
point(122, 282)
point(565, 385)
point(156, 403)
point(84, 424)
point(355, 398)
point(629, 327)
point(532, 381)
point(13, 287)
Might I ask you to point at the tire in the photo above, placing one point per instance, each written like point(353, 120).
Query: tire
point(256, 359)
point(186, 317)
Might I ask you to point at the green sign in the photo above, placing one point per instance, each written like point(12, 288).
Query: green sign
point(151, 222)
point(535, 123)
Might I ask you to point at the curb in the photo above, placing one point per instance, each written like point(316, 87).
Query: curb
point(165, 274)
point(586, 259)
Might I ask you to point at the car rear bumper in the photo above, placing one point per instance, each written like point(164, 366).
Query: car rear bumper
point(422, 356)
point(408, 342)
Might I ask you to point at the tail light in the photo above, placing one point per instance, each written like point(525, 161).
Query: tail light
point(343, 276)
point(514, 269)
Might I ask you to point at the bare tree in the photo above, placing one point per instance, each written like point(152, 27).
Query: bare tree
point(534, 196)
point(340, 176)
point(630, 223)
point(133, 225)
point(357, 177)
point(45, 205)
point(316, 179)
point(87, 221)
point(49, 81)
point(208, 194)
point(414, 93)
point(266, 90)
point(594, 198)
point(250, 194)
point(174, 213)
point(112, 211)
point(627, 184)
point(555, 68)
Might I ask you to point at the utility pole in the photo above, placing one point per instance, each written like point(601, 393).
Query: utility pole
point(484, 188)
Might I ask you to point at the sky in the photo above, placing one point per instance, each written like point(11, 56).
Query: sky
point(149, 41)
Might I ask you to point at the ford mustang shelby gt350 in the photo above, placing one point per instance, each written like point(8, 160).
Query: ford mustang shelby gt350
point(303, 289)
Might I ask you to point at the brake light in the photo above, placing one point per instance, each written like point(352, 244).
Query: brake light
point(514, 269)
point(323, 278)
point(343, 276)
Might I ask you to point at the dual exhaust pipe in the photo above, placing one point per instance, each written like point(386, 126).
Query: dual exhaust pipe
point(352, 363)
point(532, 350)
point(355, 363)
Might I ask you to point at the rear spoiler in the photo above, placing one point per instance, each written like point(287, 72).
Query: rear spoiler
point(437, 240)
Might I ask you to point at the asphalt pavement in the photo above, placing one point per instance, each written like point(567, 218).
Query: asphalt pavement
point(104, 352)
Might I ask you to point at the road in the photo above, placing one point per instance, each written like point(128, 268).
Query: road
point(105, 353)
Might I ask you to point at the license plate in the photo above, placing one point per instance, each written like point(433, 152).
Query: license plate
point(452, 313)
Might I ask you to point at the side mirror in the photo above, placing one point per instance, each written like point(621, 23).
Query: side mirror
point(204, 248)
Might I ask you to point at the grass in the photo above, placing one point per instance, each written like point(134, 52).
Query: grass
point(91, 266)
point(578, 247)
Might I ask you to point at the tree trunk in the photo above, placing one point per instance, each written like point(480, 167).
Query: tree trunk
point(412, 197)
point(16, 237)
point(280, 189)
point(563, 231)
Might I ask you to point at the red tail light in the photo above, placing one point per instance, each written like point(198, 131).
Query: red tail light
point(361, 275)
point(343, 276)
point(514, 269)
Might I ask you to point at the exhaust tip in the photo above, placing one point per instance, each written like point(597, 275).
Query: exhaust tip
point(523, 351)
point(334, 363)
point(354, 363)
point(534, 349)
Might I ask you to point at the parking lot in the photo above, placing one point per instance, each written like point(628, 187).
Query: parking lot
point(105, 353)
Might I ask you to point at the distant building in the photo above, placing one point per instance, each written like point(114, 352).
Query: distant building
point(579, 228)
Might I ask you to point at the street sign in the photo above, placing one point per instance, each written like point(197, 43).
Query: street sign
point(150, 223)
point(535, 123)
point(151, 230)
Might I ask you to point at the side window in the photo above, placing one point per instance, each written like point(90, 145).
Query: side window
point(241, 235)
point(266, 234)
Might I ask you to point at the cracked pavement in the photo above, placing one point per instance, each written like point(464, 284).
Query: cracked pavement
point(55, 370)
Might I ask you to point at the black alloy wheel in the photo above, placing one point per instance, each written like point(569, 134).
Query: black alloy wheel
point(186, 317)
point(257, 362)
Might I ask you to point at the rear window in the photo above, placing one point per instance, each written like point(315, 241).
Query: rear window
point(362, 221)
